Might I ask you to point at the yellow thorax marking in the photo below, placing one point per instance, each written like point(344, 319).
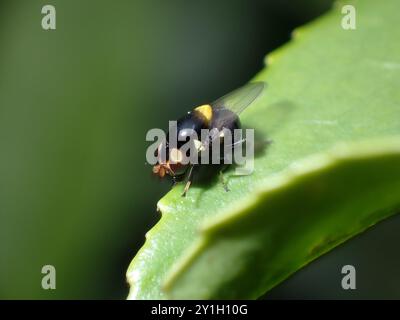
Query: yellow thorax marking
point(206, 111)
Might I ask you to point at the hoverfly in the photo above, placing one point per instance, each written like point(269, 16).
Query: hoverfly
point(222, 114)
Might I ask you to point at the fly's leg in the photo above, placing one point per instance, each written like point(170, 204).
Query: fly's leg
point(188, 181)
point(174, 181)
point(177, 179)
point(223, 180)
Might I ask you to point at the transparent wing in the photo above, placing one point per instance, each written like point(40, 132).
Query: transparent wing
point(241, 98)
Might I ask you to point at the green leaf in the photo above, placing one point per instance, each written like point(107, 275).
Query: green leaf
point(332, 111)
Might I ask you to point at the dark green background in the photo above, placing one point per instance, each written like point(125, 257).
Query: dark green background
point(75, 106)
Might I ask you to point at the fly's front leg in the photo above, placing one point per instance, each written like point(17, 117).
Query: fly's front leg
point(174, 181)
point(188, 181)
point(177, 179)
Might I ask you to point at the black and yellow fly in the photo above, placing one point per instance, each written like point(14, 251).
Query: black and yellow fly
point(222, 114)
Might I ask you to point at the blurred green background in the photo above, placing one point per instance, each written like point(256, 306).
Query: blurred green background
point(75, 106)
